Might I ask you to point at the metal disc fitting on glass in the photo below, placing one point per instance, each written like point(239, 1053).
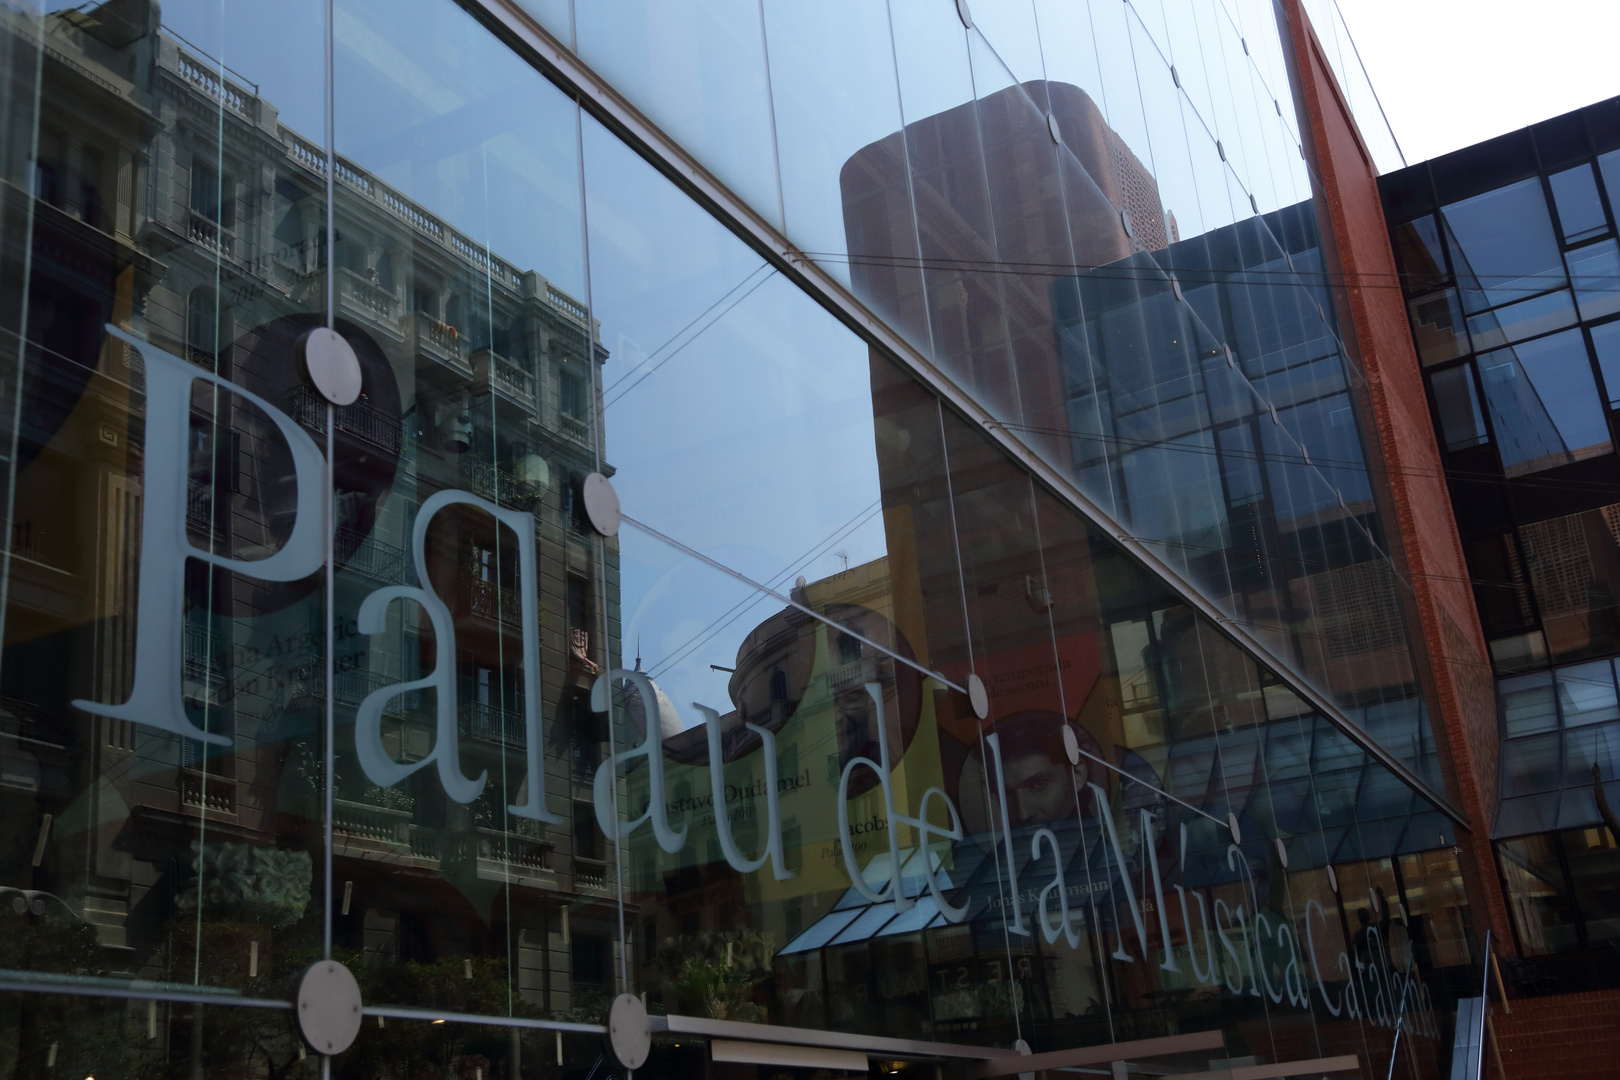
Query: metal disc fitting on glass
point(629, 1032)
point(978, 697)
point(331, 365)
point(328, 1007)
point(1022, 1049)
point(1232, 827)
point(601, 504)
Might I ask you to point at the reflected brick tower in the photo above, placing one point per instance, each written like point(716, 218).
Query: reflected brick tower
point(1001, 211)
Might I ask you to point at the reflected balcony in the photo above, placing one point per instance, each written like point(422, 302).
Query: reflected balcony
point(309, 688)
point(359, 419)
point(199, 505)
point(506, 379)
point(500, 486)
point(573, 428)
point(369, 556)
point(500, 851)
point(589, 873)
point(495, 602)
point(25, 721)
point(566, 304)
point(493, 724)
point(209, 793)
point(382, 824)
point(855, 675)
point(438, 341)
point(208, 234)
point(369, 302)
point(196, 650)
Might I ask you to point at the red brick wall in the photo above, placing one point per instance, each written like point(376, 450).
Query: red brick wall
point(1372, 316)
point(1568, 1037)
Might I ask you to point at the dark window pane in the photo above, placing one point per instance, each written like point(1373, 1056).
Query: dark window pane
point(1461, 423)
point(1538, 895)
point(1585, 747)
point(1575, 575)
point(579, 603)
point(1525, 652)
point(1606, 343)
point(1525, 319)
point(1527, 705)
point(1586, 694)
point(1437, 326)
point(1580, 211)
point(1419, 252)
point(1530, 764)
point(1609, 166)
point(1502, 245)
point(1500, 591)
point(1595, 270)
point(589, 956)
point(1594, 864)
point(1543, 404)
point(585, 831)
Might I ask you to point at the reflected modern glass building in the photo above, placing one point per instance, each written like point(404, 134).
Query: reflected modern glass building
point(864, 535)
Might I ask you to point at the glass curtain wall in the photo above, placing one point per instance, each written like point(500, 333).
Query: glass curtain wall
point(967, 170)
point(374, 689)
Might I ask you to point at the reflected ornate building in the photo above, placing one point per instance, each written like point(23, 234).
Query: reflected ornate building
point(168, 198)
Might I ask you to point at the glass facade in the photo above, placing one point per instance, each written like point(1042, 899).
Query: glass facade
point(1508, 261)
point(1024, 660)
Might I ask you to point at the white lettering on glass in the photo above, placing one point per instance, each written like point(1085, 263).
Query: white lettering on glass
point(1372, 988)
point(155, 698)
point(894, 888)
point(722, 816)
point(651, 748)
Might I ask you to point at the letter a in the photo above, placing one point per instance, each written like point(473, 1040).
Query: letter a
point(722, 816)
point(651, 748)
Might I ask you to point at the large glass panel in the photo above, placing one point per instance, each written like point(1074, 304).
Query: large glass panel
point(1580, 210)
point(1438, 326)
point(1609, 166)
point(1036, 210)
point(1538, 895)
point(68, 1035)
point(1527, 318)
point(1502, 245)
point(1594, 868)
point(698, 70)
point(833, 91)
point(1462, 423)
point(1185, 21)
point(1586, 694)
point(951, 198)
point(424, 1046)
point(1574, 565)
point(163, 591)
point(1420, 254)
point(1543, 403)
point(1606, 343)
point(1595, 272)
point(1528, 705)
point(474, 610)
